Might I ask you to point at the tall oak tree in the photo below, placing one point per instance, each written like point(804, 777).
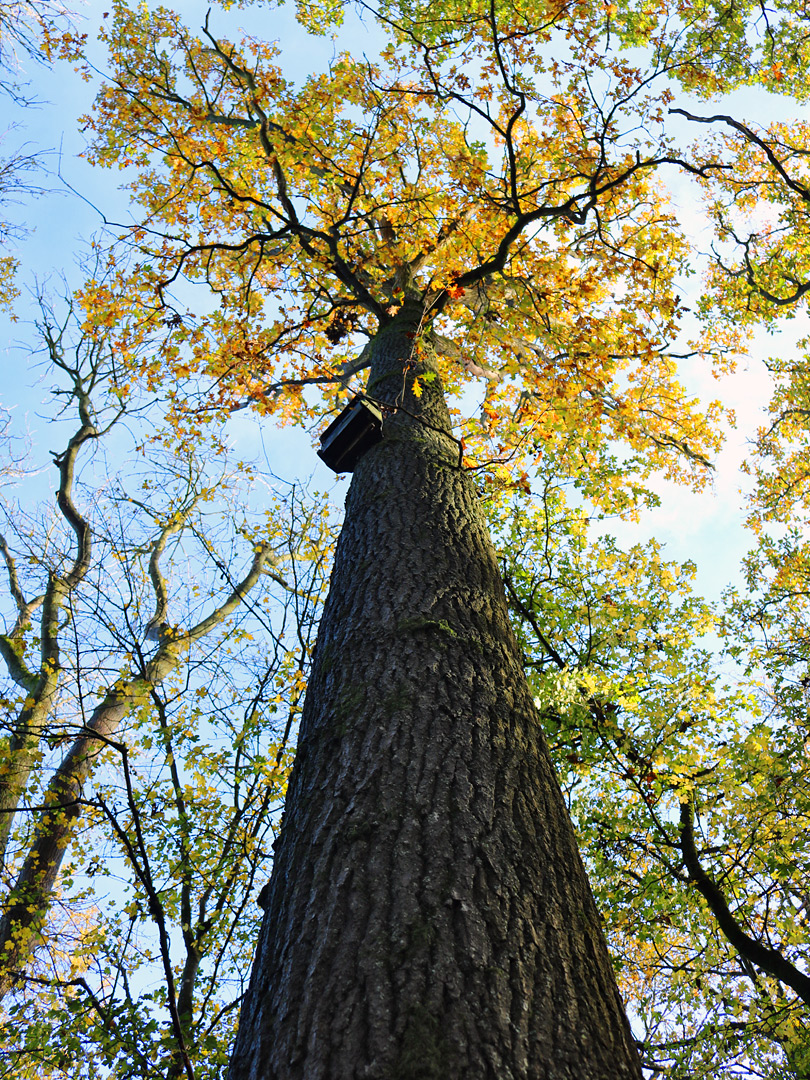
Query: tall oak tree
point(479, 203)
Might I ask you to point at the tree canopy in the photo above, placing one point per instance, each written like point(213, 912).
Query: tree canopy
point(512, 209)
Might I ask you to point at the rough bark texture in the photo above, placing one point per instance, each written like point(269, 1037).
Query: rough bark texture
point(428, 917)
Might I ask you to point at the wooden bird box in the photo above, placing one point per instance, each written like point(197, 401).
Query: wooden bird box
point(351, 434)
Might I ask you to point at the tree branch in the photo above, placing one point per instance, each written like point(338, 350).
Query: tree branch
point(769, 960)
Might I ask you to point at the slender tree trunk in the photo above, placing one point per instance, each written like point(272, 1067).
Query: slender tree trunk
point(28, 902)
point(25, 908)
point(428, 916)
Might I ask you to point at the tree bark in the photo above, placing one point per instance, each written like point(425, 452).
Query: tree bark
point(428, 916)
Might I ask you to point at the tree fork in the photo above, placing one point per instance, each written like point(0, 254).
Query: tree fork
point(428, 914)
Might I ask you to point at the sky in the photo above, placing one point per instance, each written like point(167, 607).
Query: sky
point(706, 527)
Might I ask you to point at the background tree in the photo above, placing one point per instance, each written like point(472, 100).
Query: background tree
point(156, 648)
point(684, 765)
point(483, 226)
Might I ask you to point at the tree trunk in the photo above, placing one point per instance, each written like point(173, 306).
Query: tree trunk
point(27, 905)
point(428, 917)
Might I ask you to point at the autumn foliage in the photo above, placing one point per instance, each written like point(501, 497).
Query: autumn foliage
point(501, 169)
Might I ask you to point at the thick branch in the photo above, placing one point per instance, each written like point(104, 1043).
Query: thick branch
point(25, 608)
point(16, 666)
point(769, 960)
point(798, 189)
point(27, 732)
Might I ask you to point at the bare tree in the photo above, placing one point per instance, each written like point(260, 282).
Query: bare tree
point(156, 648)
